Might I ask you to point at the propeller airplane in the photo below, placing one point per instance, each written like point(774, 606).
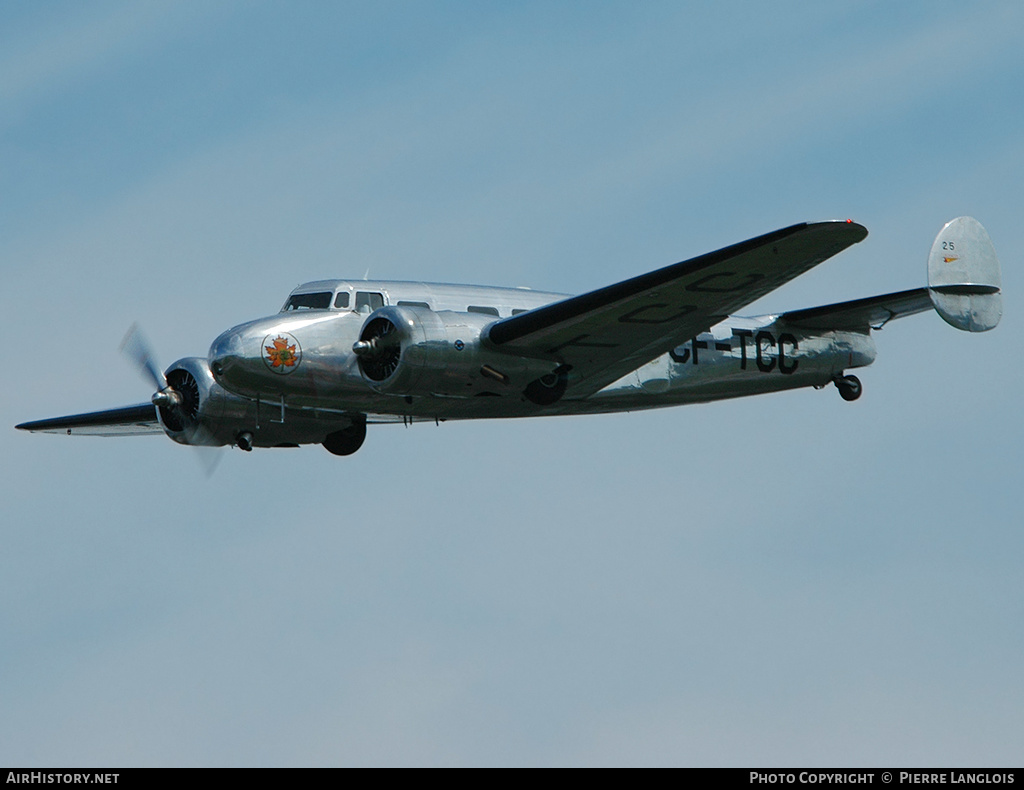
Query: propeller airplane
point(341, 355)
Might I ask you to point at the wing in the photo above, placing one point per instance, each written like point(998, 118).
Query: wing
point(860, 315)
point(138, 420)
point(604, 334)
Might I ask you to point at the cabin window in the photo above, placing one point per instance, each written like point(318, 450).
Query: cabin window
point(368, 301)
point(315, 301)
point(473, 308)
point(341, 300)
point(404, 303)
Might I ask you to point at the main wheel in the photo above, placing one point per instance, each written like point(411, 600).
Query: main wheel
point(548, 389)
point(347, 440)
point(849, 387)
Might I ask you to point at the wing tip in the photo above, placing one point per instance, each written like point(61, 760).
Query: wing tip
point(845, 226)
point(32, 425)
point(140, 416)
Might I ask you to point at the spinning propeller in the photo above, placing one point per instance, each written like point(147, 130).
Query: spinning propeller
point(136, 348)
point(176, 397)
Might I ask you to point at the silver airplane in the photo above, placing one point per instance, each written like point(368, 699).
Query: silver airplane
point(341, 355)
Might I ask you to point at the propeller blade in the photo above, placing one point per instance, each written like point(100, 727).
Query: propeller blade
point(207, 452)
point(136, 348)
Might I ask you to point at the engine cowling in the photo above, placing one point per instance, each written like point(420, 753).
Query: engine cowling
point(414, 351)
point(195, 418)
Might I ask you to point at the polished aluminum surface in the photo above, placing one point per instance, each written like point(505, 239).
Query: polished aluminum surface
point(346, 353)
point(964, 278)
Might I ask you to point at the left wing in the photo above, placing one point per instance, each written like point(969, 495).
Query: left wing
point(601, 336)
point(138, 420)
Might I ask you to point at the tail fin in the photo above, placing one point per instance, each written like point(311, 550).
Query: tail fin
point(964, 279)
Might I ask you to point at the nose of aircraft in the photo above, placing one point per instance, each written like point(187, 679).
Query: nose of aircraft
point(258, 356)
point(225, 355)
point(273, 354)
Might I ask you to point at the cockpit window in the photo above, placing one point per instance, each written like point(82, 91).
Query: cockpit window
point(317, 301)
point(368, 301)
point(341, 300)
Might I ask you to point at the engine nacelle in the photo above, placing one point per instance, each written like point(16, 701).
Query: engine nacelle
point(196, 418)
point(417, 351)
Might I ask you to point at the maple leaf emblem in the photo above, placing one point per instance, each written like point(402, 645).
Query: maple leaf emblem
point(281, 354)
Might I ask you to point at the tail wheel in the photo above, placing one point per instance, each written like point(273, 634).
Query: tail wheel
point(849, 387)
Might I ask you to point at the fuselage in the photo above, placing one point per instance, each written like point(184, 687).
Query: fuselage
point(294, 373)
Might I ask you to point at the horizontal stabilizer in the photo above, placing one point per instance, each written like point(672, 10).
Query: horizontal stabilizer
point(964, 279)
point(130, 420)
point(963, 287)
point(860, 315)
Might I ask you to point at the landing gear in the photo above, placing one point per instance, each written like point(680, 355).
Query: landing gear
point(548, 389)
point(347, 440)
point(849, 387)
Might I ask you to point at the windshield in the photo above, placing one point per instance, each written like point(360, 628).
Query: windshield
point(317, 301)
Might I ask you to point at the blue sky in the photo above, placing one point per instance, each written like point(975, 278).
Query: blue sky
point(788, 579)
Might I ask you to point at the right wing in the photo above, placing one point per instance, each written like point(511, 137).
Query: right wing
point(138, 420)
point(600, 336)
